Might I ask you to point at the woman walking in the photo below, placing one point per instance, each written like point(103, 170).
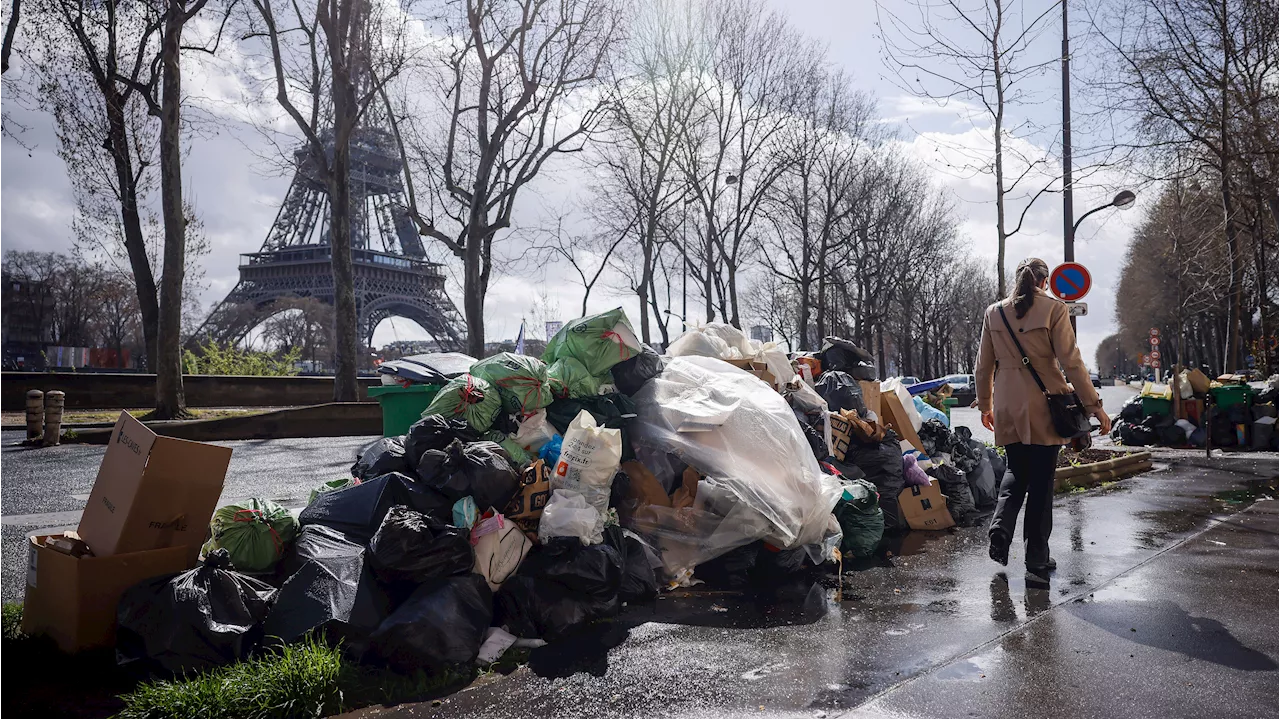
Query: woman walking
point(1018, 412)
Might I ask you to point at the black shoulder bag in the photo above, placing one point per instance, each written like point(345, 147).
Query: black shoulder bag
point(1069, 419)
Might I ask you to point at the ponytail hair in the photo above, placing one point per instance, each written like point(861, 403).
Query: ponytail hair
point(1030, 273)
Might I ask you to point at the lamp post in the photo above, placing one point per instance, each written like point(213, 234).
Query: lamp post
point(1123, 200)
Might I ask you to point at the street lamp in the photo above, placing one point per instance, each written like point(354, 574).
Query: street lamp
point(1123, 200)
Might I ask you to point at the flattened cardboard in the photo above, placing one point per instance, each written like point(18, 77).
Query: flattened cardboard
point(152, 492)
point(755, 367)
point(73, 601)
point(925, 507)
point(895, 416)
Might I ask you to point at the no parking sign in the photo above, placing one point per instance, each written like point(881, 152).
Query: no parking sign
point(1070, 281)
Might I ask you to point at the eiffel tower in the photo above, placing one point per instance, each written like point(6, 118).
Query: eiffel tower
point(393, 278)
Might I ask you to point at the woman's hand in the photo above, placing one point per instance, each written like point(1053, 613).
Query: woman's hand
point(1103, 419)
point(989, 421)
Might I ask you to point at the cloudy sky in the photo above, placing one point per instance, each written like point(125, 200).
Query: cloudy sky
point(237, 193)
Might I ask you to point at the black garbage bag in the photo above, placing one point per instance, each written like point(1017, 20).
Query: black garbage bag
point(983, 482)
point(817, 442)
point(480, 470)
point(841, 391)
point(998, 465)
point(381, 457)
point(1136, 435)
point(882, 465)
point(966, 452)
point(357, 511)
point(435, 431)
point(559, 587)
point(199, 619)
point(441, 624)
point(773, 563)
point(1172, 436)
point(935, 438)
point(639, 583)
point(412, 547)
point(331, 589)
point(731, 570)
point(630, 375)
point(1131, 411)
point(955, 486)
point(842, 355)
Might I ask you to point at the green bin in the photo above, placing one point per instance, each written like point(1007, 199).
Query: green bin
point(402, 406)
point(1152, 406)
point(947, 404)
point(1231, 395)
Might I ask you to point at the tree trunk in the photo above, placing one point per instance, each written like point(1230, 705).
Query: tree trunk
point(134, 242)
point(473, 300)
point(170, 399)
point(646, 279)
point(344, 295)
point(998, 134)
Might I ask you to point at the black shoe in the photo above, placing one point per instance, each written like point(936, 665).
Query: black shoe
point(999, 549)
point(1049, 566)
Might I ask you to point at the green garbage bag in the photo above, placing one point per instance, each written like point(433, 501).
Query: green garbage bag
point(570, 379)
point(521, 381)
point(255, 534)
point(332, 485)
point(861, 520)
point(519, 457)
point(598, 342)
point(467, 397)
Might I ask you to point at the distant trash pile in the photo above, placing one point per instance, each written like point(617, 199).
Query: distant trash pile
point(533, 497)
point(1225, 412)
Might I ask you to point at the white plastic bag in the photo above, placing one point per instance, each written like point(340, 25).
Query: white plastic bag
point(567, 514)
point(500, 552)
point(534, 431)
point(589, 457)
point(714, 339)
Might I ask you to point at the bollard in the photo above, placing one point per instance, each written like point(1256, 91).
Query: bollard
point(53, 402)
point(35, 413)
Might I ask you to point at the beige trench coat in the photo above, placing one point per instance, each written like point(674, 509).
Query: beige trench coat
point(1021, 411)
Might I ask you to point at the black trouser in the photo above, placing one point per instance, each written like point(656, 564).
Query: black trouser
point(1030, 475)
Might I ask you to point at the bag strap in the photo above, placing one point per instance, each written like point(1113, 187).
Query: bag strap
point(1026, 361)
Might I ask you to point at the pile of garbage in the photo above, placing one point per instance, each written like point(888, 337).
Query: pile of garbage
point(538, 495)
point(1225, 412)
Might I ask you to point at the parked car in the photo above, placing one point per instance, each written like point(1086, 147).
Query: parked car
point(908, 381)
point(1097, 381)
point(960, 383)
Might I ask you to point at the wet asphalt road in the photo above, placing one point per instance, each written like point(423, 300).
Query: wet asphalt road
point(44, 489)
point(1162, 606)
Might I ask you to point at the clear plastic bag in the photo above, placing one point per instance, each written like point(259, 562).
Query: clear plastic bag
point(568, 514)
point(534, 431)
point(761, 480)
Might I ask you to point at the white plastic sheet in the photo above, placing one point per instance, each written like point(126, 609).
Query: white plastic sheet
point(761, 480)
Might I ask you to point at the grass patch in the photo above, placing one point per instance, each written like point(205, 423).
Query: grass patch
point(303, 680)
point(18, 420)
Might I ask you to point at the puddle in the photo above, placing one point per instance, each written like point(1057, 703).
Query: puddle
point(972, 669)
point(1252, 491)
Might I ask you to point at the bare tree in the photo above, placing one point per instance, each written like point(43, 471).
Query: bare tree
point(89, 60)
point(520, 85)
point(754, 66)
point(978, 54)
point(1199, 80)
point(588, 254)
point(828, 154)
point(345, 53)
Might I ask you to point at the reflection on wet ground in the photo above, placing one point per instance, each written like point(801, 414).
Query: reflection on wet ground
point(802, 645)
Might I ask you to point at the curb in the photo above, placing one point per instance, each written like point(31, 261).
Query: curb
point(333, 419)
point(1095, 473)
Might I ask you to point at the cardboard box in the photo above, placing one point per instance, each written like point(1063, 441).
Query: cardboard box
point(871, 397)
point(755, 367)
point(152, 492)
point(925, 507)
point(1198, 380)
point(73, 601)
point(895, 416)
point(1192, 410)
